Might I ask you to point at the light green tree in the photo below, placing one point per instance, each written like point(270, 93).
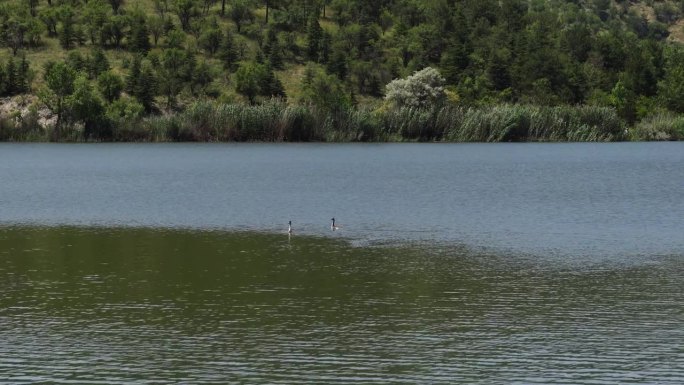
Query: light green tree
point(423, 89)
point(59, 80)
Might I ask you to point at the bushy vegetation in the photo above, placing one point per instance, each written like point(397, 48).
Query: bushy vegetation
point(276, 120)
point(474, 70)
point(665, 126)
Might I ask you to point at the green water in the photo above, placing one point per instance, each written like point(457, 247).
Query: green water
point(89, 305)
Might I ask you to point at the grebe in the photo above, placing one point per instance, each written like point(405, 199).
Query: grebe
point(289, 227)
point(333, 227)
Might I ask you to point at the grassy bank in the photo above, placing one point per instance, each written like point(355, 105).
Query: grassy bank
point(276, 121)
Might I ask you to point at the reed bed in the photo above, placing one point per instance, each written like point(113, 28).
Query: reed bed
point(518, 123)
point(277, 121)
point(659, 127)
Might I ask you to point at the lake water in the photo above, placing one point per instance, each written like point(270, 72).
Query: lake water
point(455, 263)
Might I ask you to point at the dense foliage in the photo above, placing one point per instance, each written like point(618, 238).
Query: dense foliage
point(102, 65)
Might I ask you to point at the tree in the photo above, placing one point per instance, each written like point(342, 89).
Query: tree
point(34, 32)
point(138, 36)
point(172, 72)
point(49, 16)
point(314, 37)
point(59, 80)
point(577, 40)
point(247, 80)
point(671, 88)
point(125, 109)
point(256, 79)
point(161, 6)
point(114, 30)
point(624, 101)
point(201, 77)
point(141, 83)
point(266, 5)
point(272, 49)
point(240, 13)
point(386, 20)
point(423, 89)
point(228, 52)
point(110, 85)
point(455, 60)
point(11, 78)
point(33, 5)
point(116, 5)
point(207, 4)
point(498, 69)
point(210, 39)
point(77, 61)
point(95, 16)
point(324, 91)
point(175, 39)
point(97, 63)
point(156, 27)
point(14, 31)
point(337, 64)
point(270, 85)
point(185, 9)
point(85, 106)
point(68, 33)
point(15, 78)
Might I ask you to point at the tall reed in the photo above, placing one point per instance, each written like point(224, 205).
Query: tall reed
point(659, 127)
point(276, 121)
point(512, 123)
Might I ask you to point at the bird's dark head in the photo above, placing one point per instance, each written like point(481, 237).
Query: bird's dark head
point(289, 222)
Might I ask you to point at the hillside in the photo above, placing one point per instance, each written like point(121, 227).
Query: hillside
point(96, 63)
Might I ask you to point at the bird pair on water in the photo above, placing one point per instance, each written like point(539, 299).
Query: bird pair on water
point(333, 226)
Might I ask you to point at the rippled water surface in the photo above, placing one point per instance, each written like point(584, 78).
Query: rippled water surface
point(482, 264)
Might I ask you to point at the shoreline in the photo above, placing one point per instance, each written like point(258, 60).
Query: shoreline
point(277, 121)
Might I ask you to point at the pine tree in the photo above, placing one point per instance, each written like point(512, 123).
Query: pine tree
point(98, 63)
point(228, 52)
point(146, 89)
point(454, 60)
point(324, 55)
point(314, 37)
point(23, 76)
point(272, 49)
point(141, 83)
point(134, 75)
point(11, 81)
point(269, 84)
point(201, 76)
point(338, 63)
point(67, 33)
point(139, 36)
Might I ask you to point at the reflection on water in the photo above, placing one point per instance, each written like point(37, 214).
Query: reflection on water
point(131, 305)
point(618, 199)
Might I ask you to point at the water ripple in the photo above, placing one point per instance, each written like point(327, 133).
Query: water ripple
point(152, 307)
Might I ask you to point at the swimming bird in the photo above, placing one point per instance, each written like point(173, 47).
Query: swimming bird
point(333, 227)
point(289, 227)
